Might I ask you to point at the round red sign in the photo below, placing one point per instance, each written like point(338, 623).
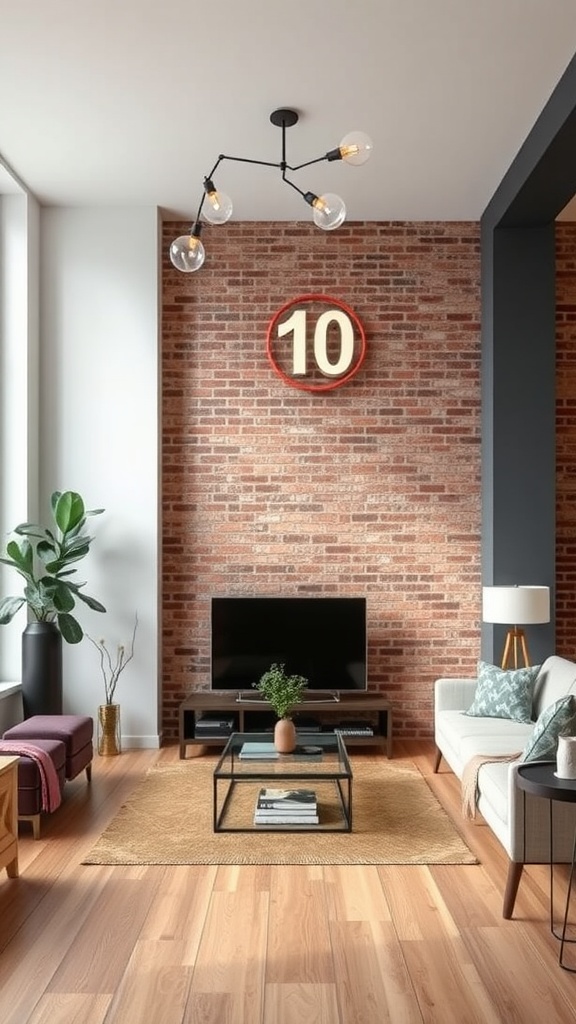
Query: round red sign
point(315, 343)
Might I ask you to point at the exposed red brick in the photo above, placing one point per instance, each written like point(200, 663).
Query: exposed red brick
point(373, 488)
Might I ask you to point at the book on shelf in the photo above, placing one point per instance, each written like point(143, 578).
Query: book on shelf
point(355, 729)
point(286, 819)
point(302, 800)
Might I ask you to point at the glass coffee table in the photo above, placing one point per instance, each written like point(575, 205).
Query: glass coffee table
point(320, 764)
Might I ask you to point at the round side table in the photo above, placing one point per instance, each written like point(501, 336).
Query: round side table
point(538, 778)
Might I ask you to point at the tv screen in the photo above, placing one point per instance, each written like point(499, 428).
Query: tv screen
point(320, 638)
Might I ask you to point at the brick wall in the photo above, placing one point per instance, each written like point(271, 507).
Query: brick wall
point(566, 439)
point(370, 489)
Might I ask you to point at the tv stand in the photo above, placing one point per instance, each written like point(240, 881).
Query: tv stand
point(329, 697)
point(373, 708)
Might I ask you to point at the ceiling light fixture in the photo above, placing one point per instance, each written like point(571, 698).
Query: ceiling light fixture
point(187, 252)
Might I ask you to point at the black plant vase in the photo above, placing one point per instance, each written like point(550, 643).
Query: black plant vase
point(42, 669)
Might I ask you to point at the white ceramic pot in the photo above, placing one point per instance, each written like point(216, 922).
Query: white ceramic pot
point(566, 757)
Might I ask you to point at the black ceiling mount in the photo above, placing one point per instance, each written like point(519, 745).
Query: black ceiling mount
point(284, 117)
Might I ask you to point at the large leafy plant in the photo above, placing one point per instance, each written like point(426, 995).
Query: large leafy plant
point(281, 691)
point(43, 558)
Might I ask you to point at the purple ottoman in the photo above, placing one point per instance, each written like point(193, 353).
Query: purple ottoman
point(30, 784)
point(75, 731)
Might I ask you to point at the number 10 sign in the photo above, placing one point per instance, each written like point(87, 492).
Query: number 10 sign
point(315, 343)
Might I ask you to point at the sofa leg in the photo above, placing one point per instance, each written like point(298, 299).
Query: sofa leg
point(89, 771)
point(512, 883)
point(438, 759)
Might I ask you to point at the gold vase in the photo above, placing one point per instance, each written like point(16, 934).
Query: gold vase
point(109, 735)
point(285, 736)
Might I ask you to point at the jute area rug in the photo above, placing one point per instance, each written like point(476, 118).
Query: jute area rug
point(168, 820)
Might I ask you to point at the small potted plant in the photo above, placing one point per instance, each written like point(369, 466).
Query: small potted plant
point(282, 692)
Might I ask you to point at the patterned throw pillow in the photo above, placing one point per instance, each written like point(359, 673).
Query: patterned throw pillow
point(504, 694)
point(559, 719)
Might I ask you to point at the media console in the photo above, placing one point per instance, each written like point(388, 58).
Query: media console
point(249, 716)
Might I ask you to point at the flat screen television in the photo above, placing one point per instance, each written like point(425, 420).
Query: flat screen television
point(321, 638)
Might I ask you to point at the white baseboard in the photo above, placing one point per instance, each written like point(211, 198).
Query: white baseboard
point(141, 742)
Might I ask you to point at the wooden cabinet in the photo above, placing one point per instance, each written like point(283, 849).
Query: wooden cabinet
point(9, 815)
point(249, 715)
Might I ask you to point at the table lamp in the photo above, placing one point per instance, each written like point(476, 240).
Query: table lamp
point(522, 606)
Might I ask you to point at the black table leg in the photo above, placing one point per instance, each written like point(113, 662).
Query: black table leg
point(563, 938)
point(562, 935)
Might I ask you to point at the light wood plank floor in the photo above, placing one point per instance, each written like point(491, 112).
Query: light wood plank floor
point(270, 945)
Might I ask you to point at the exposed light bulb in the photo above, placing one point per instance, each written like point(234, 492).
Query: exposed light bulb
point(356, 148)
point(328, 211)
point(218, 206)
point(187, 252)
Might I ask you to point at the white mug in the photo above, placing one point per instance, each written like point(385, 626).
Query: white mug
point(566, 757)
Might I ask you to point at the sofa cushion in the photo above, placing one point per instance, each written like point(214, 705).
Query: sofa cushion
point(460, 737)
point(556, 678)
point(557, 719)
point(495, 745)
point(502, 693)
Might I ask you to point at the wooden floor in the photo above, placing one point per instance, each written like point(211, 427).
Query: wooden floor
point(269, 945)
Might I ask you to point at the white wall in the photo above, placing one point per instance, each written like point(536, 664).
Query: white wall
point(19, 265)
point(99, 435)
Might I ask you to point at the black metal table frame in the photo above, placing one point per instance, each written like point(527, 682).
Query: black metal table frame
point(344, 793)
point(545, 792)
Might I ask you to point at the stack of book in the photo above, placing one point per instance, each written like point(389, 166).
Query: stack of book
point(286, 807)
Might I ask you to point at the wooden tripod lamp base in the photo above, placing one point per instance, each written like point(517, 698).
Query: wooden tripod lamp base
point(515, 640)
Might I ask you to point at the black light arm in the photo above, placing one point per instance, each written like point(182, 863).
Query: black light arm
point(247, 160)
point(333, 154)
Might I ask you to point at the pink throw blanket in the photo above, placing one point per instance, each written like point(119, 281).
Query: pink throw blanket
point(51, 795)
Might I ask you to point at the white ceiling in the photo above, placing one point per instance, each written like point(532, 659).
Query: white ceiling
point(130, 102)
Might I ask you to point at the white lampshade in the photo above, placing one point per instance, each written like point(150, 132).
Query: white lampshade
point(516, 606)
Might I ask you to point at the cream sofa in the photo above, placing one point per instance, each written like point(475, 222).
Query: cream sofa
point(458, 737)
